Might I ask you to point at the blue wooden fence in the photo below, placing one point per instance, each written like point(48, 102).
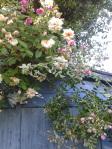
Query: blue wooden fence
point(27, 126)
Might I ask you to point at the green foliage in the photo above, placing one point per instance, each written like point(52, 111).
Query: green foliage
point(32, 48)
point(93, 120)
point(78, 13)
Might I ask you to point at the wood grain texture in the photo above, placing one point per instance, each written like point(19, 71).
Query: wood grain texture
point(34, 130)
point(27, 128)
point(107, 144)
point(10, 129)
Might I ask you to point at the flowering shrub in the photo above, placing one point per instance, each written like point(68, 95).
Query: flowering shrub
point(34, 47)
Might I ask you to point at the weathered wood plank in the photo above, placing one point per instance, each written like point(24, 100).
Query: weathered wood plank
point(34, 130)
point(106, 144)
point(49, 92)
point(10, 129)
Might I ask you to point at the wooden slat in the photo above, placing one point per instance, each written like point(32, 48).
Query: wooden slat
point(34, 130)
point(10, 129)
point(106, 144)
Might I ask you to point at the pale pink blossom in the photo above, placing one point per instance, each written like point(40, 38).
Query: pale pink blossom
point(71, 42)
point(87, 72)
point(62, 50)
point(103, 136)
point(109, 111)
point(40, 11)
point(24, 5)
point(68, 34)
point(28, 21)
point(30, 93)
point(3, 18)
point(15, 33)
point(55, 24)
point(15, 81)
point(110, 126)
point(10, 22)
point(1, 41)
point(13, 41)
point(47, 43)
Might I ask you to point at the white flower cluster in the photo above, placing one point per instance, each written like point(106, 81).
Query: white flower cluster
point(26, 68)
point(55, 24)
point(60, 62)
point(14, 81)
point(68, 34)
point(8, 36)
point(47, 43)
point(47, 3)
point(30, 93)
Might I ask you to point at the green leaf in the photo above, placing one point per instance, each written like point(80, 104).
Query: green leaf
point(38, 54)
point(23, 85)
point(3, 51)
point(29, 53)
point(11, 61)
point(23, 44)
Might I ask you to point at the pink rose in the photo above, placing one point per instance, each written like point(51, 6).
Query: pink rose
point(71, 42)
point(40, 11)
point(28, 21)
point(87, 72)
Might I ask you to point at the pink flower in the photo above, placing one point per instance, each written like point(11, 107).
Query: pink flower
point(24, 5)
point(71, 42)
point(62, 50)
point(24, 2)
point(28, 21)
point(49, 7)
point(103, 136)
point(87, 72)
point(110, 126)
point(40, 11)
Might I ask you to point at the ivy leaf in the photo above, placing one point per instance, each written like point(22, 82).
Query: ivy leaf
point(38, 54)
